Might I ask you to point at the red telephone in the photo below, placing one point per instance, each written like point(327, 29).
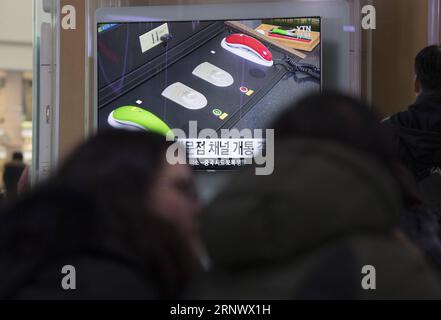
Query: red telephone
point(248, 48)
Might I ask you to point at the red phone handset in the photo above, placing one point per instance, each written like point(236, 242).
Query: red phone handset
point(248, 48)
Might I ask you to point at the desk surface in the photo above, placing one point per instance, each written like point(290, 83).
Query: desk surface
point(282, 92)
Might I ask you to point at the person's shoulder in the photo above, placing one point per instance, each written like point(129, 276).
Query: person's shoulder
point(89, 278)
point(399, 268)
point(402, 119)
point(14, 166)
point(113, 279)
point(8, 165)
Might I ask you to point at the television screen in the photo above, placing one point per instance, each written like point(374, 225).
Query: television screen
point(202, 80)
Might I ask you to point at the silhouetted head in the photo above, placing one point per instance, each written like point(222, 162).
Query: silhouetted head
point(337, 117)
point(115, 197)
point(428, 69)
point(138, 200)
point(17, 156)
point(128, 175)
point(345, 120)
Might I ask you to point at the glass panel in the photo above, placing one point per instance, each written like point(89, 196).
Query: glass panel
point(341, 47)
point(15, 84)
point(44, 80)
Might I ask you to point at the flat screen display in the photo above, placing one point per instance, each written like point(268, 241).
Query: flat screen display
point(203, 80)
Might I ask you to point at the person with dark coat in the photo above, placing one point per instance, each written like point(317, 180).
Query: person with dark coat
point(418, 130)
point(100, 214)
point(327, 214)
point(12, 173)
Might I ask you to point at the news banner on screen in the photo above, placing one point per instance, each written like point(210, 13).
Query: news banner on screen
point(221, 75)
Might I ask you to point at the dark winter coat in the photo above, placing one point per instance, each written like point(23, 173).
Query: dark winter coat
point(308, 230)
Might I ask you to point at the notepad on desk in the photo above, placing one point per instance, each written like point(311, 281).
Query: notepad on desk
point(302, 43)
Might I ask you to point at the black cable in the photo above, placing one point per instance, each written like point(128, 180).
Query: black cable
point(294, 67)
point(166, 39)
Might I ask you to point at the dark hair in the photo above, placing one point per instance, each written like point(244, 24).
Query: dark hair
point(345, 120)
point(337, 117)
point(428, 68)
point(17, 156)
point(116, 167)
point(97, 202)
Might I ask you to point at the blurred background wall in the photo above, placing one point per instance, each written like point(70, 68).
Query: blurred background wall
point(388, 57)
point(15, 79)
point(401, 33)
